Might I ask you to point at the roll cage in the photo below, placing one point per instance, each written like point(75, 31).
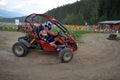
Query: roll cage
point(31, 19)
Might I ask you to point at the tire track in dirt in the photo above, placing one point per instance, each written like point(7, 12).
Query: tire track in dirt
point(96, 49)
point(96, 59)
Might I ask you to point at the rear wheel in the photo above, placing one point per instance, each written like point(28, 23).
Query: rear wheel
point(29, 38)
point(65, 55)
point(19, 49)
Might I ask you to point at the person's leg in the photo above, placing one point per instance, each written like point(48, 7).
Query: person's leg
point(59, 40)
point(50, 38)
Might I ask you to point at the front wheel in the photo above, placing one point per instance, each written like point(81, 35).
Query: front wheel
point(19, 49)
point(65, 55)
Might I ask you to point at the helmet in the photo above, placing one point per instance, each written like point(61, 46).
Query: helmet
point(48, 24)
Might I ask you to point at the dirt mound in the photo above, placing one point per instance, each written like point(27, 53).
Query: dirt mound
point(96, 59)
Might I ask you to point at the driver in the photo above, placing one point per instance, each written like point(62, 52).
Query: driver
point(54, 38)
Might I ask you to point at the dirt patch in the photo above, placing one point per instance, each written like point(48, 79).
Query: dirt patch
point(96, 59)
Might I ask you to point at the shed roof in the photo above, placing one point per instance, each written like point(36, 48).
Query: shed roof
point(110, 22)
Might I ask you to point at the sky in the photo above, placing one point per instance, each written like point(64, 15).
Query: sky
point(32, 6)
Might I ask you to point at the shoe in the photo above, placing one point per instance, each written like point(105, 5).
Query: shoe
point(52, 44)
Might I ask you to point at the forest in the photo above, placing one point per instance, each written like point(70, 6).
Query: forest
point(87, 11)
point(83, 11)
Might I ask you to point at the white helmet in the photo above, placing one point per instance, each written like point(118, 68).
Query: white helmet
point(48, 24)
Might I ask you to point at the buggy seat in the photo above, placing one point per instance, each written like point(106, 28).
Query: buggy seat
point(38, 29)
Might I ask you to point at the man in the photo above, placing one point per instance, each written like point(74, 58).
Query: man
point(54, 38)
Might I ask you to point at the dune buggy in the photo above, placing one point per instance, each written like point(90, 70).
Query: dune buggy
point(32, 39)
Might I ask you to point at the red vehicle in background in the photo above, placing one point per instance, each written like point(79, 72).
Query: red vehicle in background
point(32, 39)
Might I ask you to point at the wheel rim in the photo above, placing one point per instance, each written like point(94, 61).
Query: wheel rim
point(19, 50)
point(67, 56)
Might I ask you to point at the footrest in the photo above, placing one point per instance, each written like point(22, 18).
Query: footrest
point(61, 45)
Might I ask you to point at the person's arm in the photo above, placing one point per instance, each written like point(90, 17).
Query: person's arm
point(117, 32)
point(51, 33)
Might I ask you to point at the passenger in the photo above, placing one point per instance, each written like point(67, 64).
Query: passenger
point(43, 35)
point(37, 28)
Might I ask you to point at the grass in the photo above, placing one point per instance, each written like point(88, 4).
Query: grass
point(76, 33)
point(7, 28)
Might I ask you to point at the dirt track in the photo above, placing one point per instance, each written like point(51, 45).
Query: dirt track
point(96, 59)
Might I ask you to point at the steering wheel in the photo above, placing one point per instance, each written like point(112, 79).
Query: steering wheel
point(61, 34)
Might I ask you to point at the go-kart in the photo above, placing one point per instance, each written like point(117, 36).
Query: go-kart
point(32, 39)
